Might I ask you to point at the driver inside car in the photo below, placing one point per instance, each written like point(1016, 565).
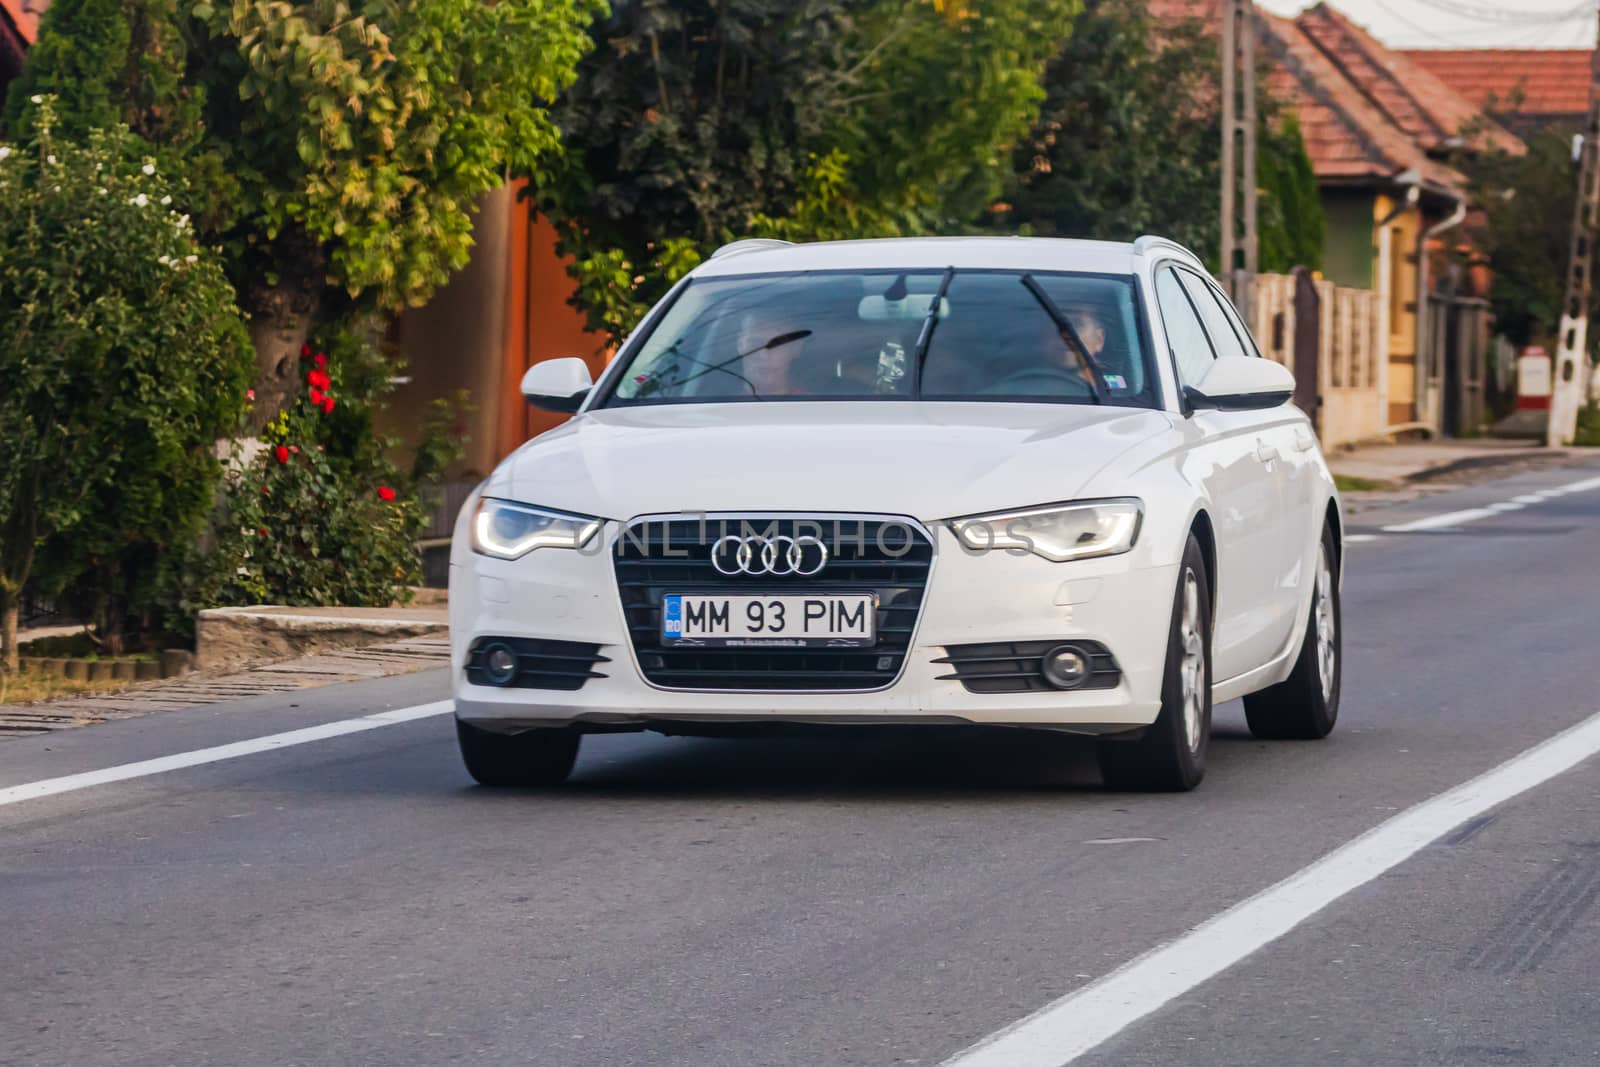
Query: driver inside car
point(769, 371)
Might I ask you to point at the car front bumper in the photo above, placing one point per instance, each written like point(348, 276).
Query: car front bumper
point(993, 597)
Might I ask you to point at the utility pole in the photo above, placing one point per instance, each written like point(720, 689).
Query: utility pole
point(1569, 386)
point(1239, 149)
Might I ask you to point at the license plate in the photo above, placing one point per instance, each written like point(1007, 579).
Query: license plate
point(827, 619)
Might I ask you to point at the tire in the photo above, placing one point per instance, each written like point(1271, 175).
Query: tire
point(542, 757)
point(1305, 705)
point(1171, 756)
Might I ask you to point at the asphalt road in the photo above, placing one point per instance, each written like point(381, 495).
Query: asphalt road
point(867, 898)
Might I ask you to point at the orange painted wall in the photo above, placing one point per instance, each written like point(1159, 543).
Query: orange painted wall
point(539, 324)
point(505, 311)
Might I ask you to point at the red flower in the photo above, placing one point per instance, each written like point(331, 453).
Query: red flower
point(305, 351)
point(262, 532)
point(281, 453)
point(316, 397)
point(385, 493)
point(319, 361)
point(319, 379)
point(327, 405)
point(249, 394)
point(265, 491)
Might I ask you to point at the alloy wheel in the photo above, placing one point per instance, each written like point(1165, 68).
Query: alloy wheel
point(1193, 666)
point(1327, 649)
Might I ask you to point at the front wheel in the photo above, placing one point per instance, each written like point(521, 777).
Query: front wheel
point(1305, 705)
point(1171, 756)
point(541, 757)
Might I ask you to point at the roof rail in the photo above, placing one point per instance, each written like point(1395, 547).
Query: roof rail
point(750, 244)
point(1150, 243)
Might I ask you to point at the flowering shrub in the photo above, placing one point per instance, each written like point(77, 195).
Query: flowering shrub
point(122, 360)
point(320, 514)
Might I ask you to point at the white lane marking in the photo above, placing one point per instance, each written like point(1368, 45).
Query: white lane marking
point(1435, 522)
point(1580, 487)
point(1516, 503)
point(1062, 1031)
point(46, 787)
point(1359, 539)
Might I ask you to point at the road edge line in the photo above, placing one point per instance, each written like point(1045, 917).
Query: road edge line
point(122, 772)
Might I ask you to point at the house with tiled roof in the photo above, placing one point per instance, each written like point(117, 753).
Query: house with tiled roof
point(1380, 129)
point(1526, 89)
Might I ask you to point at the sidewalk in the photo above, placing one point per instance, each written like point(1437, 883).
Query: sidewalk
point(305, 672)
point(1428, 461)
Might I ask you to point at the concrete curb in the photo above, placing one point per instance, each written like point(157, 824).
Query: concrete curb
point(1493, 459)
point(231, 639)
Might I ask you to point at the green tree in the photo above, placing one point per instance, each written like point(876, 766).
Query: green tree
point(360, 140)
point(696, 122)
point(337, 153)
point(1128, 141)
point(122, 360)
point(1525, 229)
point(1291, 224)
point(107, 62)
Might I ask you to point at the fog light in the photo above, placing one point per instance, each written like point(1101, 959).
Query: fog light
point(499, 664)
point(1065, 667)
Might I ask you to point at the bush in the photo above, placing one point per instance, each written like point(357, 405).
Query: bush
point(1587, 433)
point(122, 361)
point(316, 512)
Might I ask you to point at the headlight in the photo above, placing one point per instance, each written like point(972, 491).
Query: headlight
point(507, 530)
point(1059, 532)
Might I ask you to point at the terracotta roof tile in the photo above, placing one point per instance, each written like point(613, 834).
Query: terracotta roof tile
point(1552, 81)
point(1365, 111)
point(1414, 99)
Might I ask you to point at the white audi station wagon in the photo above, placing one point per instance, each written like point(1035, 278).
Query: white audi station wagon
point(1027, 483)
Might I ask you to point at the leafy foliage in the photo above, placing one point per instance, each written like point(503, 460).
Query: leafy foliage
point(693, 123)
point(122, 359)
point(926, 100)
point(1128, 141)
point(320, 514)
point(369, 132)
point(1525, 228)
point(106, 62)
point(1291, 226)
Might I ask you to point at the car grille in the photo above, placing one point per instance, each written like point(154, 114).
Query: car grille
point(565, 665)
point(888, 557)
point(1014, 666)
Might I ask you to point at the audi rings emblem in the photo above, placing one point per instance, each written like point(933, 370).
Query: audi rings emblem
point(781, 557)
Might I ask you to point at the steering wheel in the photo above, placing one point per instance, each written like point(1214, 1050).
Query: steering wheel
point(1040, 381)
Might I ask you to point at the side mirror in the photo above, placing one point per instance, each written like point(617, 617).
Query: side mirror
point(1242, 383)
point(558, 384)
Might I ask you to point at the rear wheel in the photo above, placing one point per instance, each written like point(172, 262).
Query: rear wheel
point(539, 757)
point(1171, 756)
point(1305, 705)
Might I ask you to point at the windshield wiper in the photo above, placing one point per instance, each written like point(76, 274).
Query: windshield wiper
point(919, 355)
point(772, 342)
point(1097, 378)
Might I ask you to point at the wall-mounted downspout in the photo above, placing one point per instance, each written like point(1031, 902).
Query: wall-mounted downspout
point(1425, 382)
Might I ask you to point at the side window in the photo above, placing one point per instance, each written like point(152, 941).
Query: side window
point(1250, 346)
point(1190, 350)
point(1223, 336)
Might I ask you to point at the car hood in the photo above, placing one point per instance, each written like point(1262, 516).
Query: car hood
point(926, 460)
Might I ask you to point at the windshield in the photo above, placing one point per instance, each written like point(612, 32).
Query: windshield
point(993, 336)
